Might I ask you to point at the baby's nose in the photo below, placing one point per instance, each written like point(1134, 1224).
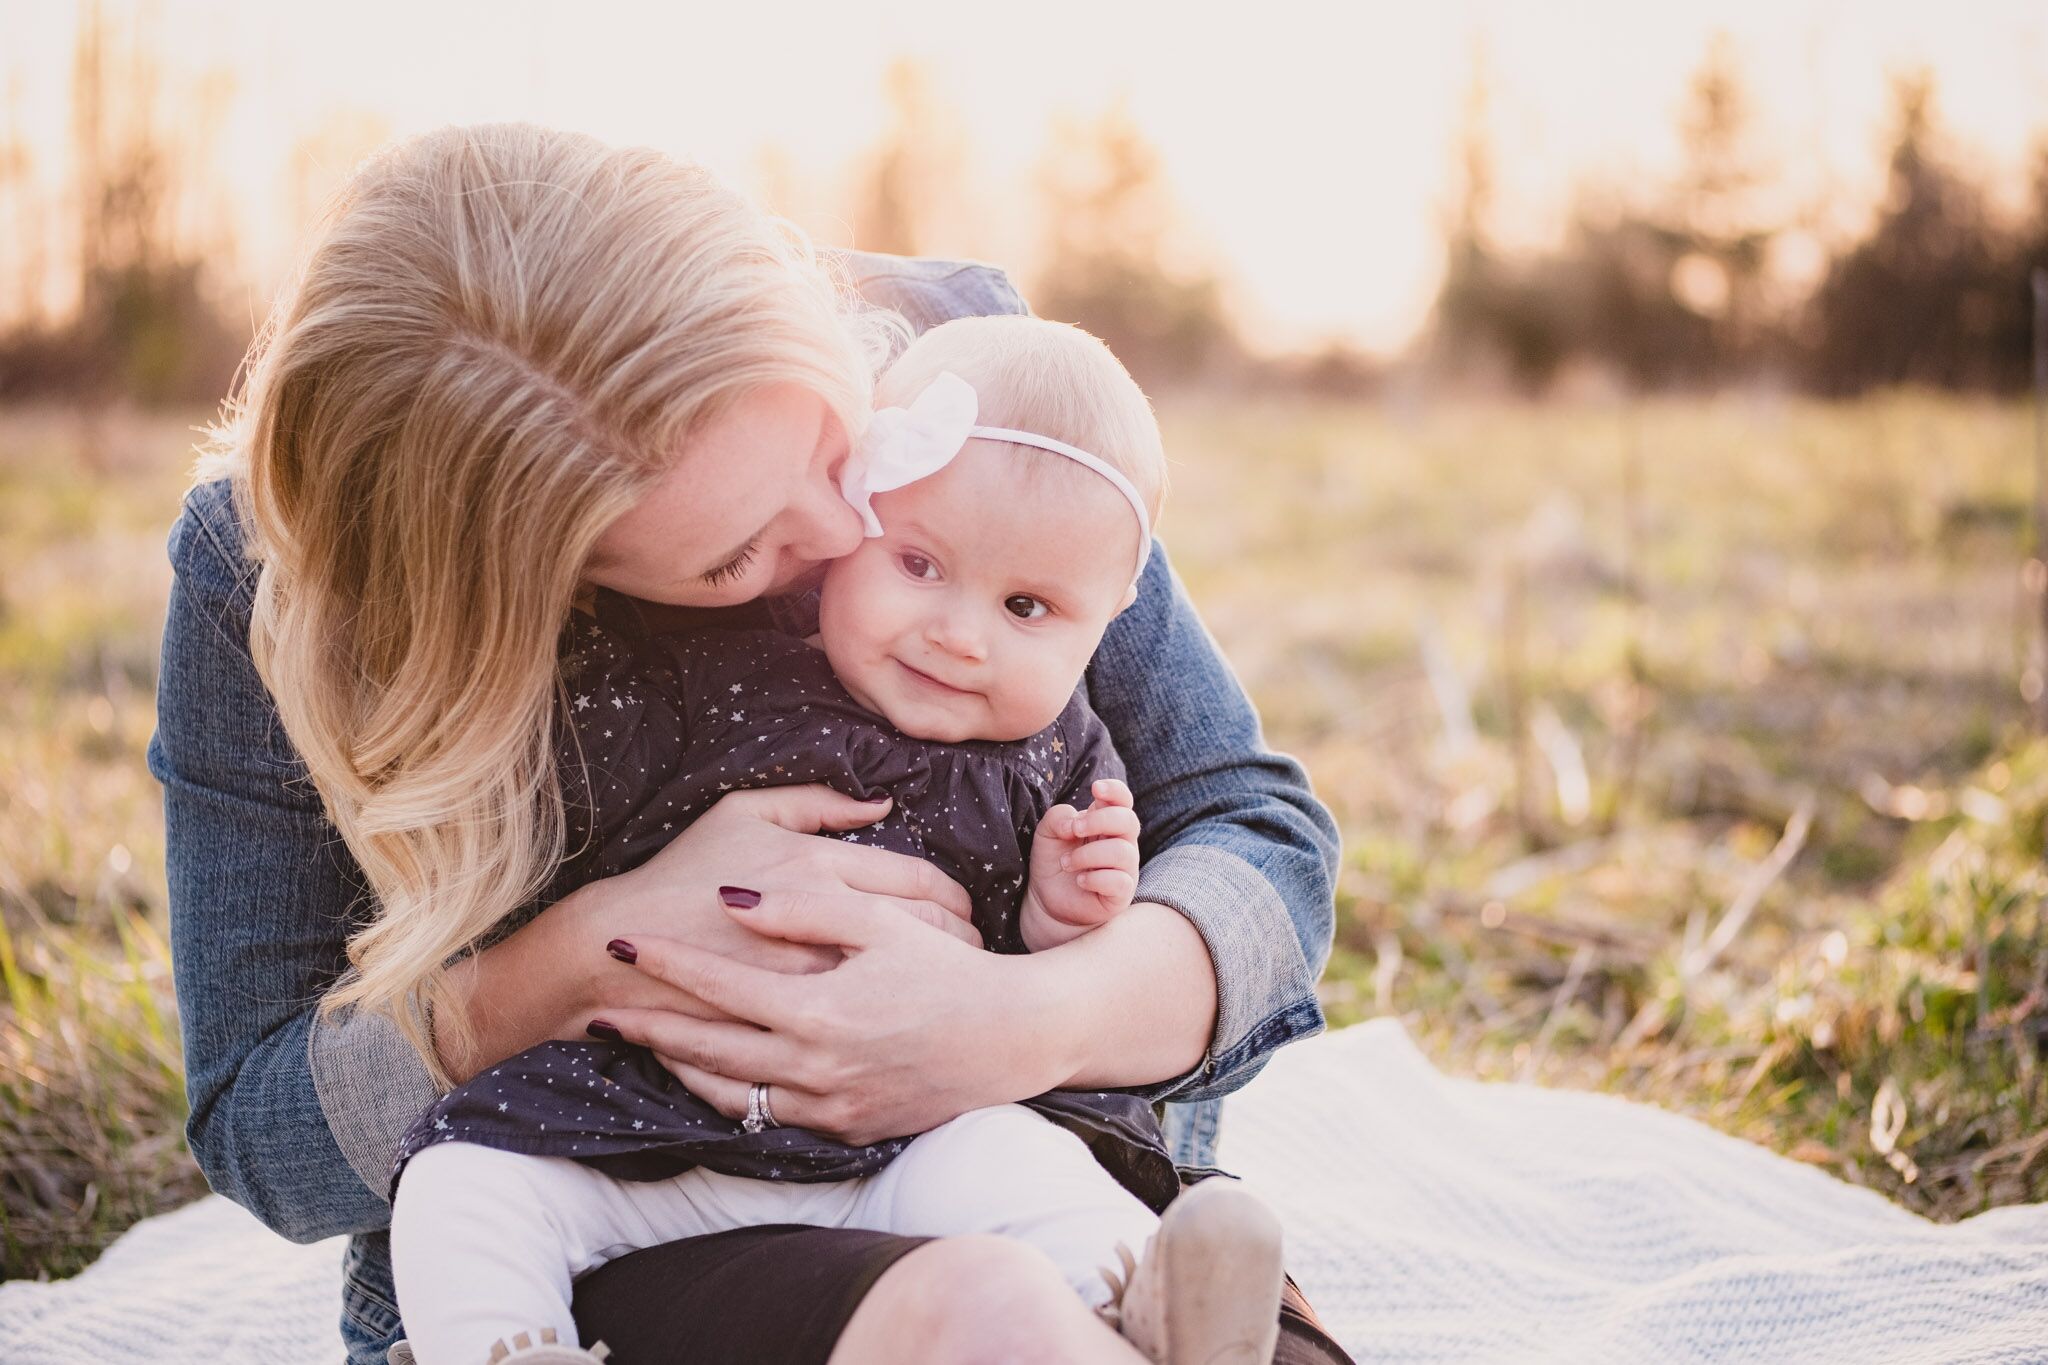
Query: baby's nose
point(956, 637)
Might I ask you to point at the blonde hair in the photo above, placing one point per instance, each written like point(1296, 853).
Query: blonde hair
point(1050, 378)
point(501, 336)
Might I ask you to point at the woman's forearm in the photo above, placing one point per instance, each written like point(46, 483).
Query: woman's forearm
point(522, 990)
point(1132, 1003)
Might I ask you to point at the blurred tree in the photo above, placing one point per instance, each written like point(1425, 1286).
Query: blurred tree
point(323, 158)
point(1663, 294)
point(144, 326)
point(1725, 224)
point(1668, 294)
point(910, 182)
point(1935, 294)
point(1489, 314)
point(23, 239)
point(1112, 262)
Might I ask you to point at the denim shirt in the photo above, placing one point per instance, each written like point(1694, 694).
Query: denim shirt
point(295, 1117)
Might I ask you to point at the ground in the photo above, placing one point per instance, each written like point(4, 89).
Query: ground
point(1681, 750)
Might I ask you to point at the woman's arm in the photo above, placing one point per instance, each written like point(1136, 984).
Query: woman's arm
point(261, 896)
point(1233, 837)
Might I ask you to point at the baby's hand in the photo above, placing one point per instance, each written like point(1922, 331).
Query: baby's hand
point(1084, 867)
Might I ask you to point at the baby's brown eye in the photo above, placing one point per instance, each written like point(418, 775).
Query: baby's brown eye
point(917, 566)
point(1025, 608)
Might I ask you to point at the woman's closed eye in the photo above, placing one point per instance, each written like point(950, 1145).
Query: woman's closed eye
point(734, 567)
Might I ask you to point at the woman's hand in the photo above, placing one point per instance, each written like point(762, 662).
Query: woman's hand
point(912, 1028)
point(551, 977)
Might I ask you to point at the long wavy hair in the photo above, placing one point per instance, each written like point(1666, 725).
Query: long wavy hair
point(500, 336)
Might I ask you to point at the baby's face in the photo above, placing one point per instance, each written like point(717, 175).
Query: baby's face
point(976, 611)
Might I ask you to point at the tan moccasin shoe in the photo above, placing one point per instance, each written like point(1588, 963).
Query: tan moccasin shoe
point(1208, 1289)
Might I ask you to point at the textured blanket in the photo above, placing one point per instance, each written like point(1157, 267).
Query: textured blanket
point(1429, 1220)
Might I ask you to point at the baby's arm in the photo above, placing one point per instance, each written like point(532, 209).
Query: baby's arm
point(1084, 867)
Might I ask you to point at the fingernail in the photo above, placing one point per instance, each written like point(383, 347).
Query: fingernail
point(738, 897)
point(622, 950)
point(598, 1028)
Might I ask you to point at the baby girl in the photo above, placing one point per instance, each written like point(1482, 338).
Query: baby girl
point(1008, 484)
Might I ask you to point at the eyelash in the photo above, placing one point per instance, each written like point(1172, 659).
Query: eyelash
point(732, 568)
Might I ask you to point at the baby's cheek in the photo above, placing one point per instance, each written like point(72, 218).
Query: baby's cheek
point(1033, 694)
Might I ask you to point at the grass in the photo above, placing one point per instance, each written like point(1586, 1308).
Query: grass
point(91, 1098)
point(1566, 674)
point(1658, 632)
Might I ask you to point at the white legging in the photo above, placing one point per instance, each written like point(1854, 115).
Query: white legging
point(486, 1244)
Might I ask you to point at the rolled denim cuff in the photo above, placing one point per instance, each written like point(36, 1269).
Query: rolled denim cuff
point(1265, 993)
point(372, 1085)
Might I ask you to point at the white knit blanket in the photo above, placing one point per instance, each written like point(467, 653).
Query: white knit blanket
point(1429, 1219)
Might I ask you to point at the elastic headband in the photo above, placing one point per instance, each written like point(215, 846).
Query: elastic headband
point(903, 445)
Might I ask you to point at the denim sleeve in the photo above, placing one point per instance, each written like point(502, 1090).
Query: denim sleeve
point(261, 893)
point(1233, 837)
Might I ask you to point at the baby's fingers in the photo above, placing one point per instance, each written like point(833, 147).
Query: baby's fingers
point(1058, 823)
point(1120, 854)
point(1110, 884)
point(1106, 822)
point(1111, 791)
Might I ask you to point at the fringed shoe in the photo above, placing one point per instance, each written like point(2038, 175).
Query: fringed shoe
point(1208, 1289)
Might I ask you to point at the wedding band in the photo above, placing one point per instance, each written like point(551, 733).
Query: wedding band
point(759, 1116)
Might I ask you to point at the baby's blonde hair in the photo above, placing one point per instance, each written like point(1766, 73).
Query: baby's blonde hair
point(1048, 378)
point(501, 337)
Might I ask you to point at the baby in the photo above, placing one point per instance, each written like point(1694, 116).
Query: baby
point(1008, 485)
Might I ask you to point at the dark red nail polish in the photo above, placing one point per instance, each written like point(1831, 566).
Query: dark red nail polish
point(622, 950)
point(598, 1028)
point(738, 897)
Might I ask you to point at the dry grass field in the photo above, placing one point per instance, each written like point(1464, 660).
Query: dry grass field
point(1679, 749)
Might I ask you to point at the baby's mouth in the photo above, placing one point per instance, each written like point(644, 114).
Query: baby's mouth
point(929, 681)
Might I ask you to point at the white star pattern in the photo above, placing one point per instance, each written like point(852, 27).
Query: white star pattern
point(964, 805)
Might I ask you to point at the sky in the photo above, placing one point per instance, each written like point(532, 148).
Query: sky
point(1310, 147)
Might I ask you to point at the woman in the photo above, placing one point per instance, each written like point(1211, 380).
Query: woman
point(520, 367)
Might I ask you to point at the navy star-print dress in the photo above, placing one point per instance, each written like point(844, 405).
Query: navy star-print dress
point(655, 728)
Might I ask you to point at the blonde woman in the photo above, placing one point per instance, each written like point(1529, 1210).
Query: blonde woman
point(520, 368)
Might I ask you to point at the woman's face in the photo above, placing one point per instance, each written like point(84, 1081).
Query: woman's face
point(751, 506)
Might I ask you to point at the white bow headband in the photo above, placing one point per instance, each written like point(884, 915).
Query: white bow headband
point(903, 445)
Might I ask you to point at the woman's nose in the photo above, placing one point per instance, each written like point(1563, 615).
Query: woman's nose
point(825, 524)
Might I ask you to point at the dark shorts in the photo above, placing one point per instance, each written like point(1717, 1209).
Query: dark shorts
point(781, 1295)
